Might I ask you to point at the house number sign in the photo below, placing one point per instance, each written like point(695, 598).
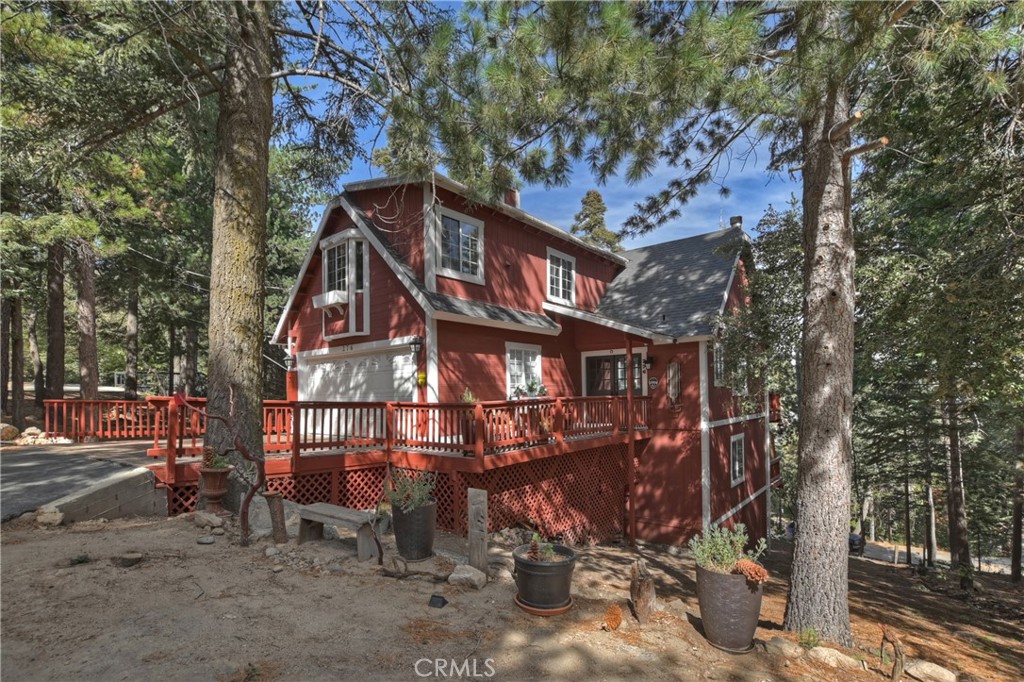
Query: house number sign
point(652, 383)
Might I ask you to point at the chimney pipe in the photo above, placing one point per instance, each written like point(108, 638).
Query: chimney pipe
point(736, 221)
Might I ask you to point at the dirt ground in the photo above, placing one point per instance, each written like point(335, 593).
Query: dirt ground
point(312, 612)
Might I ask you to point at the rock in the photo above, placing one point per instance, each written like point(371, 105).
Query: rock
point(49, 517)
point(453, 557)
point(259, 519)
point(277, 569)
point(780, 646)
point(28, 517)
point(203, 519)
point(127, 560)
point(206, 540)
point(271, 551)
point(218, 531)
point(465, 574)
point(501, 574)
point(926, 671)
point(835, 659)
point(32, 432)
point(8, 432)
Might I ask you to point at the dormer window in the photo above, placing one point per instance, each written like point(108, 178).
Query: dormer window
point(561, 277)
point(336, 260)
point(462, 247)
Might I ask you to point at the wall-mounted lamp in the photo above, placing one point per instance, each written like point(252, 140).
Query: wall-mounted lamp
point(289, 363)
point(416, 345)
point(648, 363)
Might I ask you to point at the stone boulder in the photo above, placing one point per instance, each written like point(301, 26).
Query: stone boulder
point(259, 519)
point(834, 658)
point(926, 671)
point(8, 432)
point(464, 574)
point(780, 646)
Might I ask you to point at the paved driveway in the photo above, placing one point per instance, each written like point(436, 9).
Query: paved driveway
point(31, 476)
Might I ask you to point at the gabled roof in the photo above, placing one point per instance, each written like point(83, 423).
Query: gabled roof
point(511, 211)
point(676, 288)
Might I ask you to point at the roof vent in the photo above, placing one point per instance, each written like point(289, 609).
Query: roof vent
point(512, 198)
point(736, 221)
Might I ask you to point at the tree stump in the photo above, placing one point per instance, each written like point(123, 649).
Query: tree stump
point(641, 592)
point(892, 638)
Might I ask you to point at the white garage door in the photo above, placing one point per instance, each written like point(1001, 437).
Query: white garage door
point(373, 377)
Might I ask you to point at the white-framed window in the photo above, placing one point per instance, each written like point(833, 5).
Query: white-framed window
point(338, 254)
point(561, 277)
point(737, 459)
point(462, 247)
point(522, 366)
point(719, 358)
point(604, 372)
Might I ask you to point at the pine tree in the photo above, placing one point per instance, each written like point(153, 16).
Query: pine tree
point(589, 223)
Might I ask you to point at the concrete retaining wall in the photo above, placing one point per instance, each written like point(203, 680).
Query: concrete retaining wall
point(130, 493)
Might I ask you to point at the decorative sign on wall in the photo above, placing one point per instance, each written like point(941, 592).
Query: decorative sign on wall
point(652, 383)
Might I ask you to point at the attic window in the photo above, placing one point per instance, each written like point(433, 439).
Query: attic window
point(561, 277)
point(336, 265)
point(462, 247)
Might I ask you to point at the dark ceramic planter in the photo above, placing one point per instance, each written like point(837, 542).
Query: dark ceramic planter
point(544, 586)
point(730, 606)
point(215, 487)
point(414, 531)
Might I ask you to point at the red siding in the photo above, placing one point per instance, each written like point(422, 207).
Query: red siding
point(515, 263)
point(669, 487)
point(725, 496)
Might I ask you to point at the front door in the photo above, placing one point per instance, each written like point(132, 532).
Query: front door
point(606, 375)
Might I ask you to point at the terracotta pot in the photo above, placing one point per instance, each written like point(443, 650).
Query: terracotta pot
point(214, 487)
point(544, 586)
point(730, 606)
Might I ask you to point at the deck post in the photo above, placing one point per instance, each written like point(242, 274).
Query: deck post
point(631, 443)
point(559, 424)
point(477, 529)
point(479, 432)
point(389, 429)
point(172, 441)
point(296, 431)
point(616, 412)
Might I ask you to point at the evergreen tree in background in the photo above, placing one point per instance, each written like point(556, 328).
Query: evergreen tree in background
point(589, 223)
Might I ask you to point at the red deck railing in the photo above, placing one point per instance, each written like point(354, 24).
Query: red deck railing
point(309, 429)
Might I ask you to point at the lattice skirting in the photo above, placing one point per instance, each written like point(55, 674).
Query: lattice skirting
point(182, 499)
point(355, 489)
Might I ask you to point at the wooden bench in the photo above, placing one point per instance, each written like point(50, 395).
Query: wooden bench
point(312, 518)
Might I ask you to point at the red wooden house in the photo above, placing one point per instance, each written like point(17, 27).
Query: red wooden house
point(410, 295)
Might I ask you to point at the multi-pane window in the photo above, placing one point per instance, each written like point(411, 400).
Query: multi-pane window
point(719, 355)
point(461, 243)
point(523, 364)
point(336, 265)
point(606, 375)
point(336, 260)
point(561, 277)
point(736, 459)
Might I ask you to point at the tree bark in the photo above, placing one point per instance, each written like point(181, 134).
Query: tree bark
point(131, 344)
point(38, 375)
point(88, 358)
point(172, 349)
point(818, 592)
point(5, 355)
point(907, 523)
point(55, 321)
point(1018, 505)
point(190, 359)
point(959, 539)
point(240, 229)
point(17, 366)
point(931, 541)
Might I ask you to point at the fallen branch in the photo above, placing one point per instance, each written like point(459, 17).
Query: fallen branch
point(892, 638)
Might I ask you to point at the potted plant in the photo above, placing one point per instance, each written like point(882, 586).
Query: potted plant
point(468, 421)
point(413, 512)
point(729, 586)
point(543, 574)
point(214, 474)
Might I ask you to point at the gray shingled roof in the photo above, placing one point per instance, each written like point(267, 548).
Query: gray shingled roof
point(675, 288)
point(489, 311)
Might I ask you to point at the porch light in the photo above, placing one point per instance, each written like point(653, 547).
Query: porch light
point(289, 363)
point(648, 363)
point(416, 345)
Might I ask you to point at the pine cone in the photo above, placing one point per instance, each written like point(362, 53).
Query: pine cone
point(534, 553)
point(613, 617)
point(208, 455)
point(753, 571)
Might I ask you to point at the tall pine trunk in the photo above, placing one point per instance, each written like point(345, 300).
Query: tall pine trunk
point(5, 355)
point(959, 539)
point(818, 592)
point(55, 321)
point(1018, 504)
point(38, 375)
point(172, 354)
point(131, 344)
point(17, 366)
point(190, 357)
point(240, 228)
point(88, 357)
point(931, 541)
